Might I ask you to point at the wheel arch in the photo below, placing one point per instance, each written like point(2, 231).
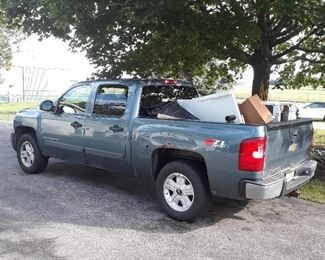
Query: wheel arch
point(162, 156)
point(21, 130)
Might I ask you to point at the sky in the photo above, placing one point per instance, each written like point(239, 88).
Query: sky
point(52, 55)
point(50, 62)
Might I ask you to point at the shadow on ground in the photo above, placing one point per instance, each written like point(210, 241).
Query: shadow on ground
point(79, 195)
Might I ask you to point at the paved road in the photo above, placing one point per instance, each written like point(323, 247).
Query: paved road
point(74, 212)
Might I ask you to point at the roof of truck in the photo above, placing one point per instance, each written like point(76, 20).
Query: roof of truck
point(144, 82)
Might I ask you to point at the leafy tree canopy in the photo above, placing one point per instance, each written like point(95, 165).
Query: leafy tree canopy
point(205, 40)
point(8, 39)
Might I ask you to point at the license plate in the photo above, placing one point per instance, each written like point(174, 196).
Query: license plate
point(290, 176)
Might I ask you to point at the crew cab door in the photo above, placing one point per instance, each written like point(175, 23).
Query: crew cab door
point(62, 130)
point(106, 129)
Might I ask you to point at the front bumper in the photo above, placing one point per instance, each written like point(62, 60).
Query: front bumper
point(277, 185)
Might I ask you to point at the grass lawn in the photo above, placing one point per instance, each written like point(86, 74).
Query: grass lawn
point(293, 95)
point(319, 137)
point(8, 111)
point(314, 191)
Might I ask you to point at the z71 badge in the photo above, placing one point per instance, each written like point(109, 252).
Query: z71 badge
point(292, 147)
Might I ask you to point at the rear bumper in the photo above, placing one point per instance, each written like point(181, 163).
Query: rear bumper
point(277, 185)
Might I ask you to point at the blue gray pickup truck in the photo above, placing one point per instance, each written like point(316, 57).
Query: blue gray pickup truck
point(113, 125)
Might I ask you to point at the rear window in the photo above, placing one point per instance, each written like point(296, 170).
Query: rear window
point(155, 98)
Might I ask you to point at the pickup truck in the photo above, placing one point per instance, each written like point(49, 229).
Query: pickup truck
point(113, 125)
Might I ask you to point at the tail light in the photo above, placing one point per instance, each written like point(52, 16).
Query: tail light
point(169, 81)
point(252, 154)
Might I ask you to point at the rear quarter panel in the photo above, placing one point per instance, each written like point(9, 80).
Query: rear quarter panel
point(222, 161)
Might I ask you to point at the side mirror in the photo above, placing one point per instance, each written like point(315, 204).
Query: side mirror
point(46, 105)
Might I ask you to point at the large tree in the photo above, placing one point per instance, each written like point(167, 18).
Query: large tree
point(8, 41)
point(188, 38)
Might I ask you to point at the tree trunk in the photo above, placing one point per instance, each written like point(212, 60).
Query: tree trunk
point(261, 80)
point(188, 75)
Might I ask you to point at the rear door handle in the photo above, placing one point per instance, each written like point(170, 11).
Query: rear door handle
point(76, 124)
point(116, 128)
point(293, 134)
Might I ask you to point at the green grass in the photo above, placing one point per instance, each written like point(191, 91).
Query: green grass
point(293, 95)
point(314, 191)
point(8, 111)
point(319, 137)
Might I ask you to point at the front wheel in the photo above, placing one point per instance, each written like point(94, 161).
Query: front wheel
point(29, 155)
point(182, 190)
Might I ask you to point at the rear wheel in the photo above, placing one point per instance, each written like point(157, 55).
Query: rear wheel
point(29, 155)
point(183, 191)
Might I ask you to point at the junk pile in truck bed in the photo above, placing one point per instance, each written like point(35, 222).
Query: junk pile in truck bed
point(222, 107)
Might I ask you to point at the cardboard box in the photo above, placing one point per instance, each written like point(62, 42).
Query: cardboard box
point(254, 111)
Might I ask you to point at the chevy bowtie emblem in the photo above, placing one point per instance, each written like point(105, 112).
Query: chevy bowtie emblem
point(293, 147)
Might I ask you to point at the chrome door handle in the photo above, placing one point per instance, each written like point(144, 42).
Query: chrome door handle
point(76, 124)
point(116, 128)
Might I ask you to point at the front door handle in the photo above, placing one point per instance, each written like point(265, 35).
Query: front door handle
point(116, 128)
point(76, 124)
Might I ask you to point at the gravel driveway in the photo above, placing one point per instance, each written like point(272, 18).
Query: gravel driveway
point(75, 212)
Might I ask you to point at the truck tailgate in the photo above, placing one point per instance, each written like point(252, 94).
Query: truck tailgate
point(288, 143)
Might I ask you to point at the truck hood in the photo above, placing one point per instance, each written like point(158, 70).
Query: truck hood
point(28, 114)
point(32, 112)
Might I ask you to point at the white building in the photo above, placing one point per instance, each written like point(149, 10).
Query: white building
point(43, 69)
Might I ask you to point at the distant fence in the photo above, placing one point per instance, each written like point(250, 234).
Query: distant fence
point(4, 99)
point(24, 98)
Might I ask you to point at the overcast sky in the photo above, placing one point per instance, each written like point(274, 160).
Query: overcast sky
point(52, 53)
point(55, 54)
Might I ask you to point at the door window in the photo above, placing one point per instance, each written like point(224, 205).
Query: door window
point(75, 100)
point(110, 101)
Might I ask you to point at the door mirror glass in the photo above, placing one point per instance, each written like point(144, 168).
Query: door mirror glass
point(46, 105)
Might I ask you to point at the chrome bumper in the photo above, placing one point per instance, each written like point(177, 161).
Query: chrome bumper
point(278, 186)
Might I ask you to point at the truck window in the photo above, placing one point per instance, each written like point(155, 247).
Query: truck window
point(75, 100)
point(110, 100)
point(154, 98)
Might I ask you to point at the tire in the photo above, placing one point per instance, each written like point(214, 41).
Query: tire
point(174, 180)
point(29, 155)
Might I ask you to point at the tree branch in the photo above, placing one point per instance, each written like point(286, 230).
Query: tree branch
point(279, 26)
point(238, 54)
point(201, 6)
point(288, 36)
point(295, 46)
point(261, 21)
point(279, 34)
point(297, 58)
point(307, 50)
